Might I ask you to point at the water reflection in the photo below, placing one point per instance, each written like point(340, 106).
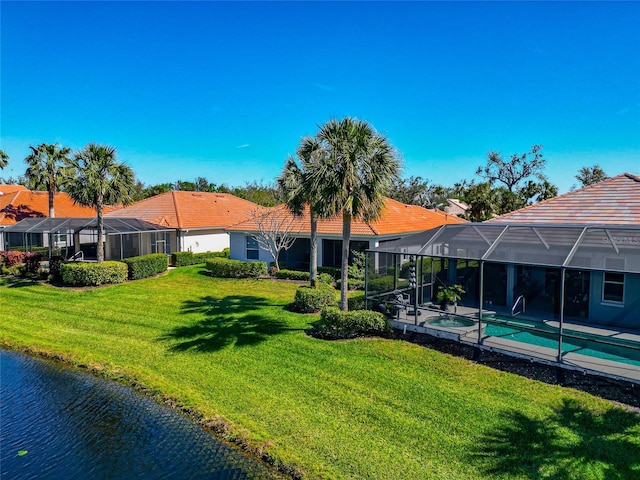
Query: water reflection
point(57, 422)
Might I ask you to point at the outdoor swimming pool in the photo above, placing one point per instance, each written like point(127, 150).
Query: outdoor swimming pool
point(539, 334)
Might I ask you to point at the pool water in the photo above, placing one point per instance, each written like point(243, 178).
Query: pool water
point(616, 353)
point(451, 321)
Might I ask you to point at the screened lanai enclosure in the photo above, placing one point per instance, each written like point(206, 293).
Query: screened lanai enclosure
point(123, 237)
point(550, 291)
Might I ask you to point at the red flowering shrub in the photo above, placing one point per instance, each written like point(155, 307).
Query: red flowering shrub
point(11, 258)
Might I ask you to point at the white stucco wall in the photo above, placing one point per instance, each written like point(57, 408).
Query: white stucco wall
point(198, 241)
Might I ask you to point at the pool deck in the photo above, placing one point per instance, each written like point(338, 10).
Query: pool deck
point(406, 320)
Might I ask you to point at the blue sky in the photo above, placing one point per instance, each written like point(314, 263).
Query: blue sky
point(225, 90)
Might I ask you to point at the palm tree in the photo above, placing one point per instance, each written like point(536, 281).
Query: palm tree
point(354, 177)
point(299, 189)
point(45, 170)
point(4, 159)
point(99, 180)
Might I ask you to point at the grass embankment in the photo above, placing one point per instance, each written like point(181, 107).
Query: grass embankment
point(371, 408)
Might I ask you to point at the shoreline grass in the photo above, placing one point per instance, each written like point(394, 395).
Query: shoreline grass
point(229, 354)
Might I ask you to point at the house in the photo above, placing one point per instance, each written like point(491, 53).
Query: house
point(397, 221)
point(18, 203)
point(575, 258)
point(456, 207)
point(615, 201)
point(197, 219)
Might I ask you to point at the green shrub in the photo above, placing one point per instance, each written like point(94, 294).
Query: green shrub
point(326, 278)
point(333, 271)
point(354, 284)
point(223, 267)
point(335, 323)
point(381, 284)
point(311, 300)
point(292, 275)
point(356, 302)
point(54, 267)
point(146, 265)
point(84, 273)
point(182, 259)
point(31, 262)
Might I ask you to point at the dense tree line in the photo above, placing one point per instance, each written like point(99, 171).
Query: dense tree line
point(503, 185)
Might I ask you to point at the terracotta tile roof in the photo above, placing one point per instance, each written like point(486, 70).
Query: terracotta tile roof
point(5, 189)
point(178, 209)
point(397, 218)
point(23, 203)
point(615, 201)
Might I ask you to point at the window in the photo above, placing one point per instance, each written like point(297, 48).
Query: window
point(253, 250)
point(613, 287)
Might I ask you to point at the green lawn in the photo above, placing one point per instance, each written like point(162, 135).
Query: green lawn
point(230, 352)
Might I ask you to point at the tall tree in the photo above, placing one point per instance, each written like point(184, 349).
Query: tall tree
point(99, 180)
point(267, 195)
point(355, 176)
point(514, 183)
point(511, 172)
point(157, 189)
point(4, 159)
point(590, 175)
point(300, 188)
point(45, 170)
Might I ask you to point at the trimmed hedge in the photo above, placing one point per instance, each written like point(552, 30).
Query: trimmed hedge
point(334, 323)
point(356, 302)
point(354, 284)
point(182, 259)
point(146, 265)
point(311, 300)
point(335, 272)
point(292, 275)
point(326, 278)
point(82, 274)
point(223, 267)
point(381, 284)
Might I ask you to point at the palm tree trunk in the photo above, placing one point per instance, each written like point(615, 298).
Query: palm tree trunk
point(344, 284)
point(313, 264)
point(100, 249)
point(52, 195)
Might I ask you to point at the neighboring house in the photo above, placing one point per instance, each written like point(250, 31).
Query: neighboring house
point(456, 207)
point(397, 220)
point(575, 256)
point(18, 203)
point(198, 219)
point(615, 201)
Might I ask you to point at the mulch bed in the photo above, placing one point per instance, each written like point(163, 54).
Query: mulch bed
point(625, 393)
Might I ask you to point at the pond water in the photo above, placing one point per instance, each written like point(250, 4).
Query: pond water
point(61, 423)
